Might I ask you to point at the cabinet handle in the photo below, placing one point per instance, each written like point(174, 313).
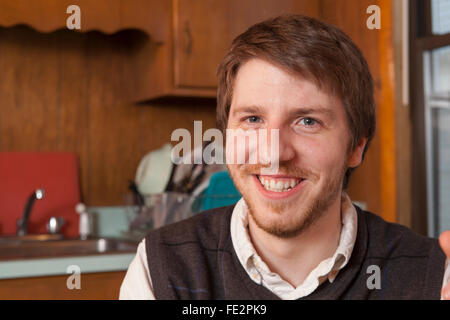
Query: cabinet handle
point(187, 31)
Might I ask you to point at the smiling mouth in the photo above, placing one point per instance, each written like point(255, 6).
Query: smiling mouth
point(278, 183)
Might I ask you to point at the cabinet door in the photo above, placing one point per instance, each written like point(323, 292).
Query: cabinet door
point(204, 29)
point(94, 286)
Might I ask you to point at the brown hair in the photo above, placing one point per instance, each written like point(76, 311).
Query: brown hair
point(315, 50)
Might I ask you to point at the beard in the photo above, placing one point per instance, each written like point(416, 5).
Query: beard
point(304, 214)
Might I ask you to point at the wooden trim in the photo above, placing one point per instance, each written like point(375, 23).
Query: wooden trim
point(107, 16)
point(94, 286)
point(418, 173)
point(427, 19)
point(402, 110)
point(194, 92)
point(432, 42)
point(176, 42)
point(417, 17)
point(387, 117)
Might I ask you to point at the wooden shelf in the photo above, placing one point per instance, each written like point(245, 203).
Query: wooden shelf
point(107, 16)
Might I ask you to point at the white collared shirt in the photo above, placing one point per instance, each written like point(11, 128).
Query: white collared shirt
point(259, 272)
point(137, 283)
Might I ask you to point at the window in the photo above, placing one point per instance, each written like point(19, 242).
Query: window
point(440, 16)
point(430, 69)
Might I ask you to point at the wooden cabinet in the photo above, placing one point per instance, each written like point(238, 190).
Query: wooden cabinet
point(204, 29)
point(186, 39)
point(198, 43)
point(98, 286)
point(200, 33)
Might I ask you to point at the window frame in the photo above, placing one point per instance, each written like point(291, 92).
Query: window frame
point(421, 39)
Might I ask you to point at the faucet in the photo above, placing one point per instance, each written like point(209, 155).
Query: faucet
point(22, 224)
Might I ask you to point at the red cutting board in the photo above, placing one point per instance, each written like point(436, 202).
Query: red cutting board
point(21, 173)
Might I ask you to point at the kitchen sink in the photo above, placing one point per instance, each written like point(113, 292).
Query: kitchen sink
point(30, 237)
point(13, 248)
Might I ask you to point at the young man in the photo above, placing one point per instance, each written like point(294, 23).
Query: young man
point(295, 233)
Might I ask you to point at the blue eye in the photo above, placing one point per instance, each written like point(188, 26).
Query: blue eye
point(308, 121)
point(253, 119)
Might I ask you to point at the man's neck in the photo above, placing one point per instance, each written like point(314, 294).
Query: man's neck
point(294, 258)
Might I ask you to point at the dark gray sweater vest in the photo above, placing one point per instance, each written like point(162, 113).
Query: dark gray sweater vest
point(195, 259)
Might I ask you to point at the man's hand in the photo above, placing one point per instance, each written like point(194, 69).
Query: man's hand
point(444, 241)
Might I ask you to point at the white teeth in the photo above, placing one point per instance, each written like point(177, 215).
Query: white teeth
point(278, 185)
point(293, 183)
point(272, 184)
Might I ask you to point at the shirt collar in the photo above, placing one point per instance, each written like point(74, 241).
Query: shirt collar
point(328, 268)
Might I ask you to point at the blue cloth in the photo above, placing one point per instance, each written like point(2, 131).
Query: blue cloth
point(220, 192)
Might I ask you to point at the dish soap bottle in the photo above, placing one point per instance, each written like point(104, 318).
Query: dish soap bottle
point(84, 224)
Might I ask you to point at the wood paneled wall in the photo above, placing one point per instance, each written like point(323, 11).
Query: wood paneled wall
point(338, 12)
point(67, 91)
point(374, 182)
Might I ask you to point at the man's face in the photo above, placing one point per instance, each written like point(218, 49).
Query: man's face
point(313, 147)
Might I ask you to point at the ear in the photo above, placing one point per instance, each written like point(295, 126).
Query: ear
point(355, 157)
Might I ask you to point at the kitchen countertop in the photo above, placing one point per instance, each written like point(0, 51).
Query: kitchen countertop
point(58, 266)
point(111, 222)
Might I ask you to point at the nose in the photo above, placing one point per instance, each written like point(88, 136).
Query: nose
point(286, 149)
point(280, 144)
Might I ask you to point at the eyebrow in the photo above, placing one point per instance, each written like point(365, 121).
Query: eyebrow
point(248, 109)
point(311, 111)
point(295, 112)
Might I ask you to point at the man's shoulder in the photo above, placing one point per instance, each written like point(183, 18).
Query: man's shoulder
point(395, 239)
point(209, 224)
